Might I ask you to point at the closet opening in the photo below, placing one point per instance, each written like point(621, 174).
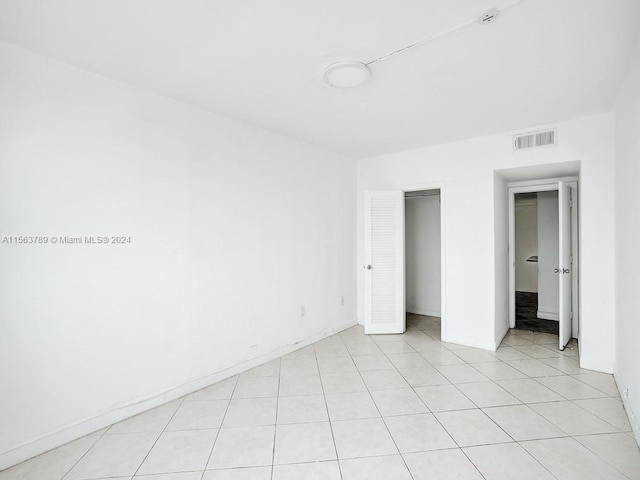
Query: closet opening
point(423, 269)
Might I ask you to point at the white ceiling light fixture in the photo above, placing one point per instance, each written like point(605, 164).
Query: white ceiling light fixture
point(353, 74)
point(347, 74)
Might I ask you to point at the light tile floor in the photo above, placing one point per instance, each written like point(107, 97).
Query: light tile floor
point(389, 407)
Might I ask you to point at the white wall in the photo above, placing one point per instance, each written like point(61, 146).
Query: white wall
point(526, 233)
point(474, 196)
point(549, 255)
point(627, 233)
point(232, 230)
point(422, 255)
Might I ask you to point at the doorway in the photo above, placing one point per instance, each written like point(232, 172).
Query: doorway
point(543, 258)
point(385, 276)
point(423, 259)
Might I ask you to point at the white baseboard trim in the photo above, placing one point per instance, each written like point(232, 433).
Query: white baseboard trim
point(548, 315)
point(86, 426)
point(432, 312)
point(501, 334)
point(633, 420)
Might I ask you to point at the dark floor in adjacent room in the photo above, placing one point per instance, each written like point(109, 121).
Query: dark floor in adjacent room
point(527, 315)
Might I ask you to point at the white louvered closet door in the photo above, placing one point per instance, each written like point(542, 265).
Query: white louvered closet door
point(565, 266)
point(384, 257)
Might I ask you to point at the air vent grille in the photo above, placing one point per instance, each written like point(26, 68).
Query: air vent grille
point(535, 139)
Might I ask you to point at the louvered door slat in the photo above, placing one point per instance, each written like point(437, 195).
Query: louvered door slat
point(384, 285)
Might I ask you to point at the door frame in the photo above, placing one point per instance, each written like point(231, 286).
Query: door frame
point(438, 185)
point(546, 185)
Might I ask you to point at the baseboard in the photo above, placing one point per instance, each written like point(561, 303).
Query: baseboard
point(633, 420)
point(86, 426)
point(432, 312)
point(501, 334)
point(548, 315)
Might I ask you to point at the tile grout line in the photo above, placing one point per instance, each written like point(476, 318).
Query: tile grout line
point(378, 409)
point(275, 426)
point(324, 396)
point(158, 438)
point(215, 440)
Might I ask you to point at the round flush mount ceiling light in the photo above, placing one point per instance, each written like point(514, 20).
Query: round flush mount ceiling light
point(346, 74)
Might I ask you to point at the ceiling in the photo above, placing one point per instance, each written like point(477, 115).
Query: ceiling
point(262, 61)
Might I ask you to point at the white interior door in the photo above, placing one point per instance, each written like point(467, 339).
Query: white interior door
point(564, 267)
point(384, 257)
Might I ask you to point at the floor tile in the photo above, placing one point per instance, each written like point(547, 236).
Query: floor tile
point(472, 427)
point(331, 350)
point(540, 338)
point(307, 471)
point(601, 381)
point(534, 368)
point(611, 410)
point(505, 353)
point(423, 377)
point(179, 452)
point(407, 360)
point(117, 455)
point(299, 366)
point(487, 394)
point(395, 347)
point(307, 442)
point(292, 385)
point(569, 460)
point(375, 468)
point(461, 373)
point(171, 476)
point(570, 388)
point(475, 355)
point(251, 473)
point(418, 433)
point(440, 356)
point(516, 340)
point(302, 409)
point(498, 371)
point(269, 369)
point(398, 402)
point(566, 365)
point(351, 406)
point(358, 349)
point(200, 414)
point(243, 447)
point(528, 390)
point(337, 364)
point(363, 438)
point(53, 464)
point(219, 391)
point(441, 464)
point(256, 387)
point(617, 449)
point(572, 419)
point(537, 351)
point(280, 409)
point(154, 420)
point(384, 380)
point(343, 382)
point(506, 461)
point(373, 362)
point(251, 412)
point(444, 398)
point(522, 423)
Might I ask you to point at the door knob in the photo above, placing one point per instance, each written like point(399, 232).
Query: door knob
point(368, 267)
